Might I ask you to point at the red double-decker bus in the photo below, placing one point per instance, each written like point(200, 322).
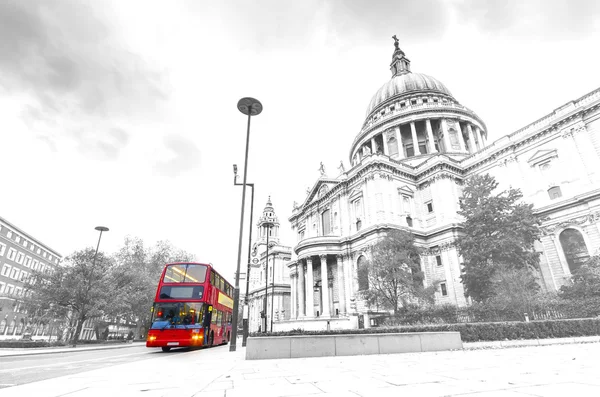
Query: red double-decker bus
point(192, 308)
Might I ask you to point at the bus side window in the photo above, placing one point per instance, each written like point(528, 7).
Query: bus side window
point(212, 277)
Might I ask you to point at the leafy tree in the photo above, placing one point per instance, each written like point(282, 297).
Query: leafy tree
point(77, 289)
point(585, 281)
point(498, 230)
point(514, 289)
point(135, 277)
point(393, 272)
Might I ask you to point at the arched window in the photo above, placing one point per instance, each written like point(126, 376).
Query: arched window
point(363, 274)
point(20, 327)
point(11, 328)
point(574, 248)
point(393, 146)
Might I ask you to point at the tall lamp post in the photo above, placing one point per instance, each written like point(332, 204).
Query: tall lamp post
point(246, 308)
point(250, 107)
point(268, 225)
point(101, 229)
point(272, 287)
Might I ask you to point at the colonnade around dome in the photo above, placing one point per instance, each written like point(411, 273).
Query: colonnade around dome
point(421, 137)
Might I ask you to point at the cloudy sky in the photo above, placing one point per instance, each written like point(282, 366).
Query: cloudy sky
point(123, 113)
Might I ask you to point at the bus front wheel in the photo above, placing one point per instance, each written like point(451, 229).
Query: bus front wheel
point(166, 349)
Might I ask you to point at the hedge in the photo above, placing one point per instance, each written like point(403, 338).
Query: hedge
point(18, 343)
point(475, 332)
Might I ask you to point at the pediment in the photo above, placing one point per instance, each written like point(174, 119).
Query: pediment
point(542, 155)
point(320, 189)
point(354, 194)
point(406, 190)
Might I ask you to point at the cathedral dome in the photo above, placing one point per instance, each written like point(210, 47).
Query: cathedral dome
point(407, 83)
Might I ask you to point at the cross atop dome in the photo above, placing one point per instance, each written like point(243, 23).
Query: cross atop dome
point(400, 64)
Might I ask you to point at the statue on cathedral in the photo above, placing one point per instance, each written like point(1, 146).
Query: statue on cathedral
point(341, 167)
point(322, 169)
point(295, 205)
point(395, 42)
point(307, 190)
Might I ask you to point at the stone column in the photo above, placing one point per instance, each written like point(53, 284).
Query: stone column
point(461, 139)
point(301, 288)
point(293, 289)
point(472, 145)
point(432, 148)
point(373, 146)
point(384, 137)
point(415, 140)
point(400, 145)
point(479, 138)
point(310, 284)
point(446, 136)
point(483, 140)
point(325, 284)
point(341, 281)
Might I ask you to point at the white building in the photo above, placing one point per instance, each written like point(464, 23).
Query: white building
point(274, 279)
point(408, 163)
point(21, 255)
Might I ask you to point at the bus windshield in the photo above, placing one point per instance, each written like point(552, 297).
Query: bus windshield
point(187, 313)
point(185, 273)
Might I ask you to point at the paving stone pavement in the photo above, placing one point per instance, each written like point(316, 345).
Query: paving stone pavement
point(549, 370)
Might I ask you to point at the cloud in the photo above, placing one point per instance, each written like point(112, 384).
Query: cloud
point(414, 20)
point(65, 59)
point(275, 24)
point(180, 155)
point(557, 19)
point(104, 144)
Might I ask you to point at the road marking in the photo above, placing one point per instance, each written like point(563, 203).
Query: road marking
point(69, 363)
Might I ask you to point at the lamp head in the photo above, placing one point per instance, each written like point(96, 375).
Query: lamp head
point(250, 106)
point(101, 228)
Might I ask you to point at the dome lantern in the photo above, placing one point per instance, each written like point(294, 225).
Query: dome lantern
point(400, 64)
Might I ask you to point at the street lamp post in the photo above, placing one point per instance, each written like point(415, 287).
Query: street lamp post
point(101, 229)
point(250, 107)
point(268, 225)
point(247, 309)
point(272, 290)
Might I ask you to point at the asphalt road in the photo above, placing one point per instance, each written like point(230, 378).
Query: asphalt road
point(19, 370)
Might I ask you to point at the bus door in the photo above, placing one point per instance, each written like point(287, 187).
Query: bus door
point(206, 321)
point(223, 324)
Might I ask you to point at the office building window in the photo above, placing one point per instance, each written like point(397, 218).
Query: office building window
point(443, 289)
point(6, 270)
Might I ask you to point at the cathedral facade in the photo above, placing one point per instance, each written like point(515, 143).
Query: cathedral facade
point(417, 146)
